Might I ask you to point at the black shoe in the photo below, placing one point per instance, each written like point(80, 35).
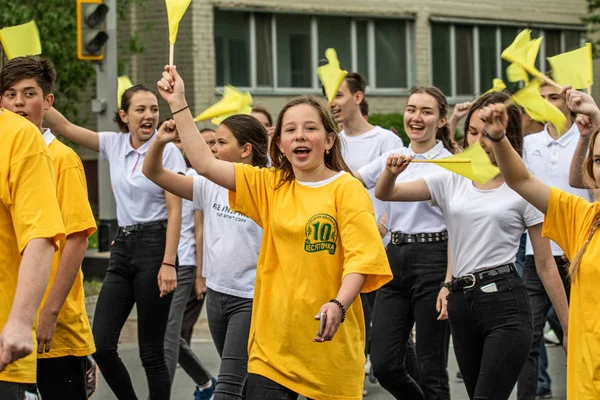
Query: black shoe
point(459, 376)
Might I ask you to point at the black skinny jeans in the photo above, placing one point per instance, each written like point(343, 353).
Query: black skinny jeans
point(131, 278)
point(410, 297)
point(492, 334)
point(540, 305)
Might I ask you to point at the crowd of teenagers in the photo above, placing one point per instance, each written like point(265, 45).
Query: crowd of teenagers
point(323, 253)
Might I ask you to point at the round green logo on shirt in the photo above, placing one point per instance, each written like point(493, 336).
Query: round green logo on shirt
point(321, 233)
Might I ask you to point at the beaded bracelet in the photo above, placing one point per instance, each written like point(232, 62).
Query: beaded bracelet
point(341, 306)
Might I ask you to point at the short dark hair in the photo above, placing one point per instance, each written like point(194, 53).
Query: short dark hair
point(126, 103)
point(207, 130)
point(262, 110)
point(364, 107)
point(30, 67)
point(356, 82)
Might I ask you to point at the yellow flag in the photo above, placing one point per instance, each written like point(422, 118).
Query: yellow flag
point(497, 86)
point(473, 163)
point(537, 107)
point(233, 102)
point(574, 68)
point(244, 110)
point(21, 40)
point(175, 11)
point(123, 83)
point(517, 50)
point(517, 71)
point(331, 75)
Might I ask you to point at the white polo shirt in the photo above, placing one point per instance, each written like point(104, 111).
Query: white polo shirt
point(138, 199)
point(550, 160)
point(186, 251)
point(359, 151)
point(410, 217)
point(484, 226)
point(231, 242)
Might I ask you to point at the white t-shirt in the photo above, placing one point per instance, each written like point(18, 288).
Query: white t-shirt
point(409, 217)
point(550, 160)
point(186, 252)
point(484, 226)
point(231, 242)
point(359, 151)
point(138, 199)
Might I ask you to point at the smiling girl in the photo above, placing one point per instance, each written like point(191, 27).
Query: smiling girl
point(145, 247)
point(316, 219)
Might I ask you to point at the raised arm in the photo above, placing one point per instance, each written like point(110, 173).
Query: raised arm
point(586, 127)
point(387, 189)
point(511, 165)
point(459, 112)
point(180, 185)
point(59, 125)
point(171, 88)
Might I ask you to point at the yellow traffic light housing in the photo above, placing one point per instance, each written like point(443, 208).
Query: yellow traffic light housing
point(91, 37)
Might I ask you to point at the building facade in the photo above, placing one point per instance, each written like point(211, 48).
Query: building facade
point(273, 47)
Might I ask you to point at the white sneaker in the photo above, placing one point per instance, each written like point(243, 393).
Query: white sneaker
point(551, 338)
point(368, 365)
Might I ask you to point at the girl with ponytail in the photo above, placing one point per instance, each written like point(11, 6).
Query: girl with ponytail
point(572, 222)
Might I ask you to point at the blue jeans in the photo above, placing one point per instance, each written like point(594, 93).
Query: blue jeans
point(410, 298)
point(131, 278)
point(229, 322)
point(520, 261)
point(177, 349)
point(492, 334)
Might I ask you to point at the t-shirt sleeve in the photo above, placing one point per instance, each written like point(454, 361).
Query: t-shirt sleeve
point(73, 200)
point(107, 143)
point(33, 205)
point(173, 160)
point(533, 216)
point(568, 220)
point(198, 192)
point(363, 249)
point(437, 184)
point(250, 198)
point(371, 172)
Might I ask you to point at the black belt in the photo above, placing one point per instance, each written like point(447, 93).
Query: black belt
point(400, 238)
point(150, 226)
point(470, 280)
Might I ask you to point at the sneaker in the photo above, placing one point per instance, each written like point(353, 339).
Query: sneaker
point(551, 338)
point(543, 393)
point(371, 376)
point(206, 394)
point(459, 376)
point(365, 392)
point(368, 365)
point(91, 373)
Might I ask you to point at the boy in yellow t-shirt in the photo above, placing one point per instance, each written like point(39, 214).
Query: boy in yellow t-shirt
point(63, 333)
point(30, 229)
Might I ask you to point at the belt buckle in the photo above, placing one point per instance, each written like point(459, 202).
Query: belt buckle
point(395, 240)
point(472, 276)
point(127, 230)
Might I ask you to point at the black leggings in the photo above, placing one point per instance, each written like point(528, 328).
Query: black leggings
point(131, 278)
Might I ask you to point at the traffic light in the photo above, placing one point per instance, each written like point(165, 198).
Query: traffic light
point(90, 29)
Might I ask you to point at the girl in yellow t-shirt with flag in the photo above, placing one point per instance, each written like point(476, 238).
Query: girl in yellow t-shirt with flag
point(320, 249)
point(572, 222)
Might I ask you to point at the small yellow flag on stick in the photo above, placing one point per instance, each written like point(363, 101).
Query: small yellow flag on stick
point(21, 40)
point(497, 86)
point(123, 83)
point(175, 11)
point(537, 107)
point(574, 68)
point(515, 72)
point(331, 75)
point(233, 102)
point(473, 163)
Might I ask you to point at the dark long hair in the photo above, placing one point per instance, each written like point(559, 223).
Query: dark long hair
point(126, 103)
point(247, 129)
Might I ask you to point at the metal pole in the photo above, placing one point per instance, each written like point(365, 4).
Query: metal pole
point(104, 105)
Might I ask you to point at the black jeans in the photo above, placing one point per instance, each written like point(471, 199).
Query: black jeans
point(229, 322)
point(131, 278)
point(492, 334)
point(193, 308)
point(261, 388)
point(62, 378)
point(410, 297)
point(540, 305)
point(17, 391)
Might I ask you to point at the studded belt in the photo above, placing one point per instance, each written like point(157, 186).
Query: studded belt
point(400, 238)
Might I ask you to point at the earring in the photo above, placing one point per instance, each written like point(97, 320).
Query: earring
point(326, 151)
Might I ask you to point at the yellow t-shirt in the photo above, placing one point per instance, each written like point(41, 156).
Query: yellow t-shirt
point(28, 210)
point(568, 222)
point(73, 335)
point(312, 238)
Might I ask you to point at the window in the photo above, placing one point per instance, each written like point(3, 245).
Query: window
point(263, 51)
point(466, 57)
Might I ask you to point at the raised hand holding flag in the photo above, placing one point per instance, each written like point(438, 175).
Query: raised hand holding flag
point(175, 11)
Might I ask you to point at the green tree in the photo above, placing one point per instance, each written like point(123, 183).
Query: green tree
point(592, 20)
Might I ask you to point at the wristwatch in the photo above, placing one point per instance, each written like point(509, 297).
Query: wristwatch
point(447, 285)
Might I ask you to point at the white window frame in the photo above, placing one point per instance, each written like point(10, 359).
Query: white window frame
point(315, 57)
point(452, 97)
